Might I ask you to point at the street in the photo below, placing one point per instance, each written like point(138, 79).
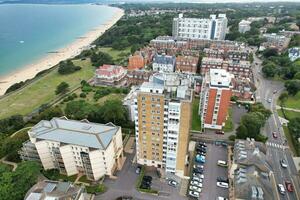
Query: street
point(277, 148)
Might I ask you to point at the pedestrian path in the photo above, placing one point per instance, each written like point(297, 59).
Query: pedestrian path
point(276, 145)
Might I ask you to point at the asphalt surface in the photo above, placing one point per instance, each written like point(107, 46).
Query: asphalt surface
point(210, 191)
point(277, 149)
point(124, 185)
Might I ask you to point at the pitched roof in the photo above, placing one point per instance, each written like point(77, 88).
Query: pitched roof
point(75, 132)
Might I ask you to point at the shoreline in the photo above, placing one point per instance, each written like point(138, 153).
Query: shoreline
point(53, 58)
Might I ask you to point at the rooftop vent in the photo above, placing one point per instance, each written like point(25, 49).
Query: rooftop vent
point(86, 127)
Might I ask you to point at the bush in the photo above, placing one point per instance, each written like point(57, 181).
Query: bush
point(232, 137)
point(82, 95)
point(97, 189)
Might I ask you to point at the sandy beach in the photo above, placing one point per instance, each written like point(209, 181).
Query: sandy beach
point(53, 58)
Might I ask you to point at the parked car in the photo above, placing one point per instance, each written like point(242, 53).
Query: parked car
point(198, 166)
point(196, 183)
point(222, 179)
point(200, 159)
point(283, 163)
point(281, 189)
point(194, 188)
point(198, 171)
point(194, 194)
point(222, 163)
point(221, 198)
point(197, 179)
point(289, 186)
point(148, 178)
point(138, 169)
point(202, 143)
point(274, 135)
point(172, 183)
point(198, 175)
point(222, 184)
point(269, 100)
point(220, 132)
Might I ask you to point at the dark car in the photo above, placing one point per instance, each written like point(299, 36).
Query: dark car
point(220, 132)
point(202, 143)
point(148, 178)
point(198, 171)
point(202, 150)
point(222, 179)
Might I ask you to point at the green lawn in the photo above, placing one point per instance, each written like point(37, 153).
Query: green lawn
point(288, 113)
point(116, 54)
point(293, 101)
point(229, 123)
point(196, 120)
point(42, 90)
point(292, 144)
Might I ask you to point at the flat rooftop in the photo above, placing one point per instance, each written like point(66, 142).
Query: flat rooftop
point(220, 78)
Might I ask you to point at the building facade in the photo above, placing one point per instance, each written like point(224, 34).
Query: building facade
point(213, 28)
point(110, 75)
point(244, 26)
point(75, 147)
point(137, 77)
point(136, 62)
point(164, 63)
point(162, 123)
point(215, 98)
point(187, 64)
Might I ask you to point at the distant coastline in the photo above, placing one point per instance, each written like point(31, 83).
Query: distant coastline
point(54, 57)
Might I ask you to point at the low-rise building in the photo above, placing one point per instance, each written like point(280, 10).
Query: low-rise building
point(75, 147)
point(110, 75)
point(279, 42)
point(164, 63)
point(47, 189)
point(215, 97)
point(138, 77)
point(294, 53)
point(136, 62)
point(244, 26)
point(251, 172)
point(187, 64)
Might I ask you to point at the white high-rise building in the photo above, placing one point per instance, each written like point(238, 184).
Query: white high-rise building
point(213, 28)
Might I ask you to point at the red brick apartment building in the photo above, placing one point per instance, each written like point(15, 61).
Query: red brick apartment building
point(136, 62)
point(215, 97)
point(187, 64)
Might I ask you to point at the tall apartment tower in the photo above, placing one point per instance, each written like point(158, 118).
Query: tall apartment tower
point(213, 28)
point(162, 123)
point(215, 98)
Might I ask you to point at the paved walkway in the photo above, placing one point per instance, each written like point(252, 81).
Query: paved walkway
point(9, 163)
point(285, 108)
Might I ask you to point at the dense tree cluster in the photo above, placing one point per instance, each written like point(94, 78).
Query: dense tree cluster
point(100, 58)
point(252, 122)
point(294, 129)
point(11, 124)
point(14, 185)
point(67, 67)
point(62, 88)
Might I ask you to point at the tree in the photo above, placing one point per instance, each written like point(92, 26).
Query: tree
point(67, 67)
point(241, 132)
point(270, 52)
point(113, 111)
point(11, 124)
point(283, 97)
point(14, 185)
point(294, 127)
point(62, 88)
point(269, 70)
point(78, 109)
point(292, 86)
point(49, 113)
point(101, 58)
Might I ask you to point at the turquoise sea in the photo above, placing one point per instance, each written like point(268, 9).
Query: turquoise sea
point(28, 31)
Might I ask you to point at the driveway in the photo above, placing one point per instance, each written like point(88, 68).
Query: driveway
point(124, 185)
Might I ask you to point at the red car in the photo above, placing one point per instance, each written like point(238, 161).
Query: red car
point(274, 135)
point(289, 186)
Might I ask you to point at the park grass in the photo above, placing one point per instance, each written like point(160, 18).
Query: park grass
point(196, 120)
point(291, 142)
point(229, 123)
point(115, 54)
point(293, 102)
point(42, 90)
point(289, 114)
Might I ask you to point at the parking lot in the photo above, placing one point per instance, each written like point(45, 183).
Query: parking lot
point(210, 190)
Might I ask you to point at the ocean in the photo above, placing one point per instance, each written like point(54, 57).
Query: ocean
point(29, 31)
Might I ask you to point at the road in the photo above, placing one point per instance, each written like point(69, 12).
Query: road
point(277, 149)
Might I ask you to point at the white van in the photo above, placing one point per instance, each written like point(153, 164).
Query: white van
point(222, 184)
